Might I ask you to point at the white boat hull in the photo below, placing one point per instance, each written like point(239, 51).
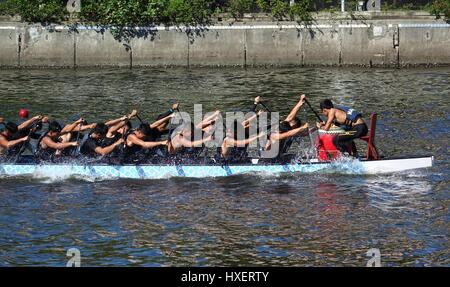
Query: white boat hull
point(201, 171)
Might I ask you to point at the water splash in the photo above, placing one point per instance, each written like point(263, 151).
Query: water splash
point(63, 173)
point(347, 165)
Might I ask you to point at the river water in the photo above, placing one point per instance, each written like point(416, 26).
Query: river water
point(323, 219)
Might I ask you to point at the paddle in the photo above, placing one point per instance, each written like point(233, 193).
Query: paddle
point(258, 101)
point(22, 147)
point(139, 118)
point(126, 121)
point(76, 151)
point(264, 106)
point(314, 111)
point(126, 133)
point(172, 127)
point(32, 128)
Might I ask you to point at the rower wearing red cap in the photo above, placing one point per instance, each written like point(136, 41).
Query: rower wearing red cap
point(23, 113)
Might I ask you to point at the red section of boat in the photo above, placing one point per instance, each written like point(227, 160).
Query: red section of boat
point(326, 150)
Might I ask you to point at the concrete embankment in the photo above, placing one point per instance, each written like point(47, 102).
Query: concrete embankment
point(390, 43)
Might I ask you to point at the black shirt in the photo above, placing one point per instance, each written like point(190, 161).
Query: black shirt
point(109, 141)
point(89, 146)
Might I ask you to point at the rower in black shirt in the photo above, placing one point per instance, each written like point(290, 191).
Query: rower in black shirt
point(139, 142)
point(163, 120)
point(6, 138)
point(234, 148)
point(118, 128)
point(93, 145)
point(51, 141)
point(287, 129)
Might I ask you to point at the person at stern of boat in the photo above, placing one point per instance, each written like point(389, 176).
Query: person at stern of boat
point(347, 118)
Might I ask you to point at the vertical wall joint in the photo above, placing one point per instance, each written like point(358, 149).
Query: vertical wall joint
point(245, 48)
point(19, 48)
point(396, 43)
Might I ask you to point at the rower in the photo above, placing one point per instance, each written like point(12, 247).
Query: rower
point(31, 126)
point(23, 114)
point(348, 119)
point(143, 138)
point(185, 145)
point(55, 140)
point(114, 134)
point(284, 136)
point(163, 120)
point(288, 129)
point(207, 125)
point(118, 128)
point(93, 147)
point(291, 119)
point(28, 123)
point(6, 138)
point(73, 131)
point(234, 149)
point(26, 127)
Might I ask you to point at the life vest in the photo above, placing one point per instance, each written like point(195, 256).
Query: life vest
point(109, 141)
point(135, 153)
point(352, 114)
point(44, 153)
point(38, 145)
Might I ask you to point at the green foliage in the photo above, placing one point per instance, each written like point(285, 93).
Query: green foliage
point(237, 8)
point(9, 7)
point(90, 10)
point(36, 10)
point(263, 5)
point(156, 11)
point(123, 13)
point(189, 12)
point(43, 11)
point(141, 12)
point(301, 11)
point(279, 9)
point(440, 7)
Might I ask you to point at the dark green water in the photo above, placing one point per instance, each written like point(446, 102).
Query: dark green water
point(289, 220)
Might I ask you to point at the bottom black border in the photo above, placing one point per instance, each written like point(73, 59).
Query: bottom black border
point(173, 276)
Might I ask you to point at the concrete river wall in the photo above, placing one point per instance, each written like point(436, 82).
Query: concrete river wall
point(365, 43)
